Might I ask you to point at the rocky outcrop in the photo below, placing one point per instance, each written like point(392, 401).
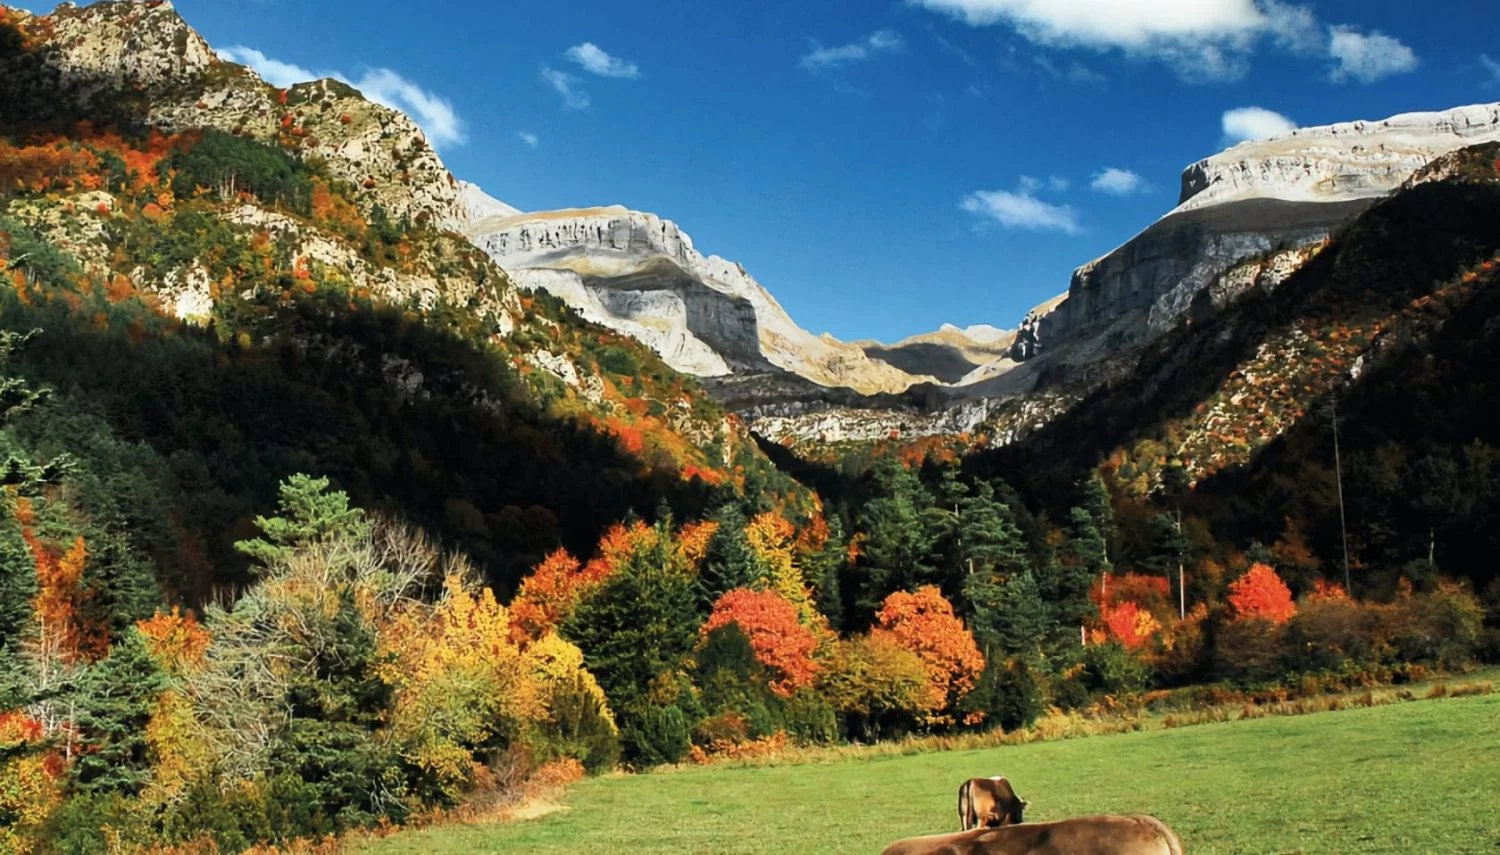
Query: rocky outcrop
point(1267, 204)
point(1336, 162)
point(127, 61)
point(641, 275)
point(1002, 420)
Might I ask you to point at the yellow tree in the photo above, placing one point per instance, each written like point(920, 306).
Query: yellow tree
point(461, 682)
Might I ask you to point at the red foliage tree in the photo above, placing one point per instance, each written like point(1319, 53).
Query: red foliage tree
point(924, 623)
point(1261, 593)
point(549, 594)
point(1128, 623)
point(782, 644)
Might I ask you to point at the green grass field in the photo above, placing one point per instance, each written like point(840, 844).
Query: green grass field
point(1419, 777)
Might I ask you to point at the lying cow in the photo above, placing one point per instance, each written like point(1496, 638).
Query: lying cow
point(1091, 835)
point(988, 803)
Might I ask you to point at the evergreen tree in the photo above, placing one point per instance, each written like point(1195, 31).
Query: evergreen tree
point(337, 705)
point(310, 513)
point(114, 699)
point(1096, 502)
point(989, 539)
point(638, 626)
point(1069, 578)
point(897, 549)
point(729, 562)
point(1169, 546)
point(1009, 614)
point(827, 569)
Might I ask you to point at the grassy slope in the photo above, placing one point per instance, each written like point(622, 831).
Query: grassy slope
point(1415, 777)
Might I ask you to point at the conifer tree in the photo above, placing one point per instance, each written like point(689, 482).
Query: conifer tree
point(730, 563)
point(310, 513)
point(114, 699)
point(1009, 614)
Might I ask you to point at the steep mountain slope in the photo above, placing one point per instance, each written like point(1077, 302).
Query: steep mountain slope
point(1216, 394)
point(244, 282)
point(1247, 218)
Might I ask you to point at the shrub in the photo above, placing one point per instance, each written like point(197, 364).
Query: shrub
point(657, 735)
point(1330, 634)
point(580, 726)
point(810, 719)
point(1183, 656)
point(1441, 628)
point(879, 687)
point(97, 822)
point(1248, 651)
point(1110, 669)
point(1260, 593)
point(1008, 695)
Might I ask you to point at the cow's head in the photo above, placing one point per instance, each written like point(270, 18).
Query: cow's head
point(1007, 813)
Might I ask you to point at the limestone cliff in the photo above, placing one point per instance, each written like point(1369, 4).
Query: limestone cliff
point(1248, 216)
point(640, 274)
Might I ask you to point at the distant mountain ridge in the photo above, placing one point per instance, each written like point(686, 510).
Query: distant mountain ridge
point(1249, 217)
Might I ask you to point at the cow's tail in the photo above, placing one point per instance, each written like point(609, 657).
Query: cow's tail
point(964, 801)
point(1167, 835)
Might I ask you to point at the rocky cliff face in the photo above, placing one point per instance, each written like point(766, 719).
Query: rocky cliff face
point(1339, 162)
point(141, 61)
point(1249, 216)
point(640, 274)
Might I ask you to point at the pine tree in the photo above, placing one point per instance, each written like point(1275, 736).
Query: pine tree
point(114, 699)
point(311, 513)
point(1068, 579)
point(829, 567)
point(898, 545)
point(989, 539)
point(639, 625)
point(1009, 614)
point(730, 563)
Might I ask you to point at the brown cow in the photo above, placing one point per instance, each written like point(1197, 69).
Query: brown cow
point(988, 803)
point(1091, 835)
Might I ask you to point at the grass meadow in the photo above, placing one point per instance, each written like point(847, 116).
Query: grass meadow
point(1416, 777)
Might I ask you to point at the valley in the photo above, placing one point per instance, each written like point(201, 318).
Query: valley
point(341, 495)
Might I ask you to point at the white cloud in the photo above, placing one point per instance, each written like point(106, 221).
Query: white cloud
point(1059, 184)
point(1117, 182)
point(433, 113)
point(1110, 23)
point(1199, 39)
point(273, 71)
point(1492, 66)
point(1294, 28)
point(566, 86)
point(596, 60)
point(1022, 209)
point(1255, 123)
point(1367, 58)
point(531, 139)
point(878, 42)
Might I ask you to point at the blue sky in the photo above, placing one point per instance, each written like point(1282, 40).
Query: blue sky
point(882, 167)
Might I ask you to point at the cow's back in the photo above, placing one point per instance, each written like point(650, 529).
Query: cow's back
point(1092, 835)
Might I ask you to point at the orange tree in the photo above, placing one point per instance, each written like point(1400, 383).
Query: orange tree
point(1260, 593)
point(924, 623)
point(783, 645)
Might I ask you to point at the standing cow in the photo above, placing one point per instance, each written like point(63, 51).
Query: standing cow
point(1091, 835)
point(988, 803)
